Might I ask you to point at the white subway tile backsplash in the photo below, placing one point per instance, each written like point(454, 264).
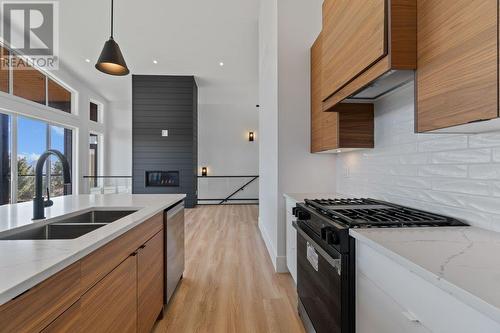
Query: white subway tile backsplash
point(443, 144)
point(451, 174)
point(461, 186)
point(463, 156)
point(484, 171)
point(484, 140)
point(444, 170)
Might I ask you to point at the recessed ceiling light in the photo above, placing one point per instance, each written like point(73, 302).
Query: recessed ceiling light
point(221, 64)
point(87, 60)
point(155, 62)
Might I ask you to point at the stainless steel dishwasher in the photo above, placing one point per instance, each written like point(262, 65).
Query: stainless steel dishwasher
point(174, 248)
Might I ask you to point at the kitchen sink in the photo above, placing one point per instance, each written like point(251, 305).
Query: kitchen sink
point(71, 227)
point(98, 216)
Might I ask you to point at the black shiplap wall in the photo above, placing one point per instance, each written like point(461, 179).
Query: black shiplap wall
point(165, 102)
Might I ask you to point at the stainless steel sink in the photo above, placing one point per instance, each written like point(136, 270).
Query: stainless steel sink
point(98, 216)
point(55, 231)
point(71, 227)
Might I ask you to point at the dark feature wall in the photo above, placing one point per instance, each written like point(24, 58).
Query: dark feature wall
point(171, 103)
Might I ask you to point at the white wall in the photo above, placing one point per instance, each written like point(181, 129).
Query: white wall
point(78, 121)
point(223, 148)
point(456, 175)
point(118, 140)
point(287, 31)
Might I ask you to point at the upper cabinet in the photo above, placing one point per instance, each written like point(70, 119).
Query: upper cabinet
point(457, 77)
point(354, 39)
point(349, 127)
point(364, 41)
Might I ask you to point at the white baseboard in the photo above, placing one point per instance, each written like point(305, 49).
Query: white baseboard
point(279, 262)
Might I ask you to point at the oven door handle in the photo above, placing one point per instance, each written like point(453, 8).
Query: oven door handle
point(336, 263)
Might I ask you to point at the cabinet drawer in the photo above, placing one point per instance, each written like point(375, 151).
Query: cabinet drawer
point(38, 307)
point(376, 312)
point(102, 261)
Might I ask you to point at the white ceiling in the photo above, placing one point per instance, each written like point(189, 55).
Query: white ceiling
point(187, 37)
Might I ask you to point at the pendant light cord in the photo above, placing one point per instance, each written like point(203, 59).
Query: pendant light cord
point(112, 18)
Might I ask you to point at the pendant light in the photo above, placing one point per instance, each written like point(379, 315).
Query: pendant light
point(111, 60)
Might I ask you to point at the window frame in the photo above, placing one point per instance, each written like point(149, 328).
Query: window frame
point(14, 151)
point(47, 75)
point(100, 108)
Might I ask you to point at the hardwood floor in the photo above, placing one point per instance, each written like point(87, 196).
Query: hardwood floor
point(229, 283)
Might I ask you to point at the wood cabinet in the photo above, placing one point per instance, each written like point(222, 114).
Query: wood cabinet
point(117, 288)
point(321, 137)
point(354, 38)
point(111, 305)
point(363, 40)
point(35, 309)
point(69, 321)
point(457, 77)
point(149, 283)
point(351, 126)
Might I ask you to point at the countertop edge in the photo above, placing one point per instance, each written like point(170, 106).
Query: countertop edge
point(461, 294)
point(30, 282)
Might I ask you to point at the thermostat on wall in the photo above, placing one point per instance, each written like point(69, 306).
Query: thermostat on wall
point(164, 132)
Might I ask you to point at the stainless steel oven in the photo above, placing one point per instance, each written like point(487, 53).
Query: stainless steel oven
point(323, 285)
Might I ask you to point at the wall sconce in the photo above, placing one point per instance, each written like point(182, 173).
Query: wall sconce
point(204, 171)
point(250, 136)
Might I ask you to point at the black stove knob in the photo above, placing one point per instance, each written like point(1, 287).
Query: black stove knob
point(330, 236)
point(302, 215)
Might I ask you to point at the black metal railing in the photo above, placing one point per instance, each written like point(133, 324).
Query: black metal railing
point(230, 198)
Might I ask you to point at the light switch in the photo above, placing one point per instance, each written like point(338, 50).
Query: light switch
point(164, 132)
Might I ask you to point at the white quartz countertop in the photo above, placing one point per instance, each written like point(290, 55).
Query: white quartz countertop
point(463, 261)
point(25, 263)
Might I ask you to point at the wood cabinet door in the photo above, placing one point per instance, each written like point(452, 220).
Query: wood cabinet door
point(150, 275)
point(457, 62)
point(354, 38)
point(69, 321)
point(324, 134)
point(111, 304)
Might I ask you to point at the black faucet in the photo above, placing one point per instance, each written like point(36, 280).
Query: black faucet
point(39, 203)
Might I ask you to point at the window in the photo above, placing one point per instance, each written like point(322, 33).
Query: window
point(94, 112)
point(33, 138)
point(29, 84)
point(5, 152)
point(93, 157)
point(4, 70)
point(58, 97)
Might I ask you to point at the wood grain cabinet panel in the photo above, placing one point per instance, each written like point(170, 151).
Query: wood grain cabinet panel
point(323, 124)
point(69, 321)
point(102, 261)
point(351, 126)
point(362, 41)
point(150, 283)
point(111, 305)
point(38, 307)
point(354, 37)
point(457, 77)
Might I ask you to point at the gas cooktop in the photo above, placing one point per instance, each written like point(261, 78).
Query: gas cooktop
point(367, 213)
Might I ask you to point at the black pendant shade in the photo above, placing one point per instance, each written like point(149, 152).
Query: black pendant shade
point(111, 60)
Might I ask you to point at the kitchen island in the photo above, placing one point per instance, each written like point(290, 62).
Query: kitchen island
point(28, 264)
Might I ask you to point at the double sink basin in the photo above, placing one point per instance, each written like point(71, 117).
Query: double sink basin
point(70, 227)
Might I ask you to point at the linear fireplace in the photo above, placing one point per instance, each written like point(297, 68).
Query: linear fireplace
point(162, 179)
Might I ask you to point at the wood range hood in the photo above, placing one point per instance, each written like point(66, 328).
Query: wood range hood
point(369, 49)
